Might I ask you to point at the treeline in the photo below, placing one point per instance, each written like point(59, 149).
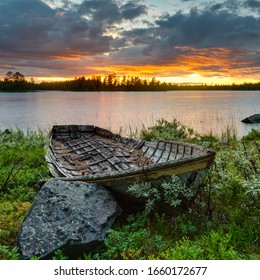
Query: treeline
point(17, 82)
point(108, 83)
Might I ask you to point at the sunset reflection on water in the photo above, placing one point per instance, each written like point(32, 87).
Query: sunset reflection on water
point(204, 111)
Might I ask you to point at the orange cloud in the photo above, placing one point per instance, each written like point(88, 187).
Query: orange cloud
point(137, 70)
point(71, 57)
point(68, 55)
point(189, 65)
point(208, 63)
point(218, 61)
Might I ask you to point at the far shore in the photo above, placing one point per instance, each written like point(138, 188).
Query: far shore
point(16, 82)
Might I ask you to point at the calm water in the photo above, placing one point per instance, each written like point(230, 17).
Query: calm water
point(202, 110)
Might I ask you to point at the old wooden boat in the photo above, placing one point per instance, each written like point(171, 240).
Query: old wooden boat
point(96, 155)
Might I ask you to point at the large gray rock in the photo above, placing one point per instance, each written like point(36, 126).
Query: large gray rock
point(252, 119)
point(72, 216)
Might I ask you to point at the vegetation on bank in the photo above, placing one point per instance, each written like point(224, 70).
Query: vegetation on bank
point(21, 163)
point(222, 223)
point(15, 81)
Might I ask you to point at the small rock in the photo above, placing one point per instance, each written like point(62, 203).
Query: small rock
point(72, 216)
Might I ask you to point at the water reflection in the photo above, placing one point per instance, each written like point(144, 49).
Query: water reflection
point(203, 110)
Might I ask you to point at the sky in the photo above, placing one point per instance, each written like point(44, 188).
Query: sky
point(183, 41)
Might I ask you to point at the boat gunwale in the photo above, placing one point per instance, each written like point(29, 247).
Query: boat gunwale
point(136, 171)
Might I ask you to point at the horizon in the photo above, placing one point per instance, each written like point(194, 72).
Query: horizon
point(160, 79)
point(180, 42)
point(120, 80)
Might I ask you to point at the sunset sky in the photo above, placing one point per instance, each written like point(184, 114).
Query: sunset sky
point(183, 41)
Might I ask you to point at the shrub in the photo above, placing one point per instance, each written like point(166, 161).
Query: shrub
point(214, 246)
point(8, 254)
point(11, 217)
point(254, 134)
point(21, 163)
point(172, 192)
point(165, 130)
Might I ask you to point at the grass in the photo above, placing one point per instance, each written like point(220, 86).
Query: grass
point(21, 164)
point(222, 223)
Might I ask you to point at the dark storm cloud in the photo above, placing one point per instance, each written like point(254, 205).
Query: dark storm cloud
point(31, 26)
point(252, 4)
point(104, 13)
point(110, 11)
point(216, 7)
point(32, 30)
point(100, 11)
point(132, 10)
point(207, 29)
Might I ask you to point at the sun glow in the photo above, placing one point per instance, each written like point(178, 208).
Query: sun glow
point(190, 66)
point(52, 79)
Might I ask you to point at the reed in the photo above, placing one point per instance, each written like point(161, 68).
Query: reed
point(229, 134)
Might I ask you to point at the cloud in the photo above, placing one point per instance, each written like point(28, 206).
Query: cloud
point(103, 14)
point(32, 31)
point(209, 41)
point(252, 4)
point(216, 7)
point(75, 38)
point(100, 12)
point(206, 29)
point(132, 10)
point(209, 29)
point(32, 27)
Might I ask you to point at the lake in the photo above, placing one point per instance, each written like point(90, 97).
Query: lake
point(203, 110)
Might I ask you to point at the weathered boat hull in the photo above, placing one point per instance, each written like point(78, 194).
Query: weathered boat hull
point(95, 155)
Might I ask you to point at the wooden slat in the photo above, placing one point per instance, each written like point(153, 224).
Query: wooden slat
point(177, 151)
point(183, 153)
point(170, 151)
point(161, 150)
point(166, 152)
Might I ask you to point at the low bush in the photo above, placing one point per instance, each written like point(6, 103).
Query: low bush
point(166, 130)
point(21, 164)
